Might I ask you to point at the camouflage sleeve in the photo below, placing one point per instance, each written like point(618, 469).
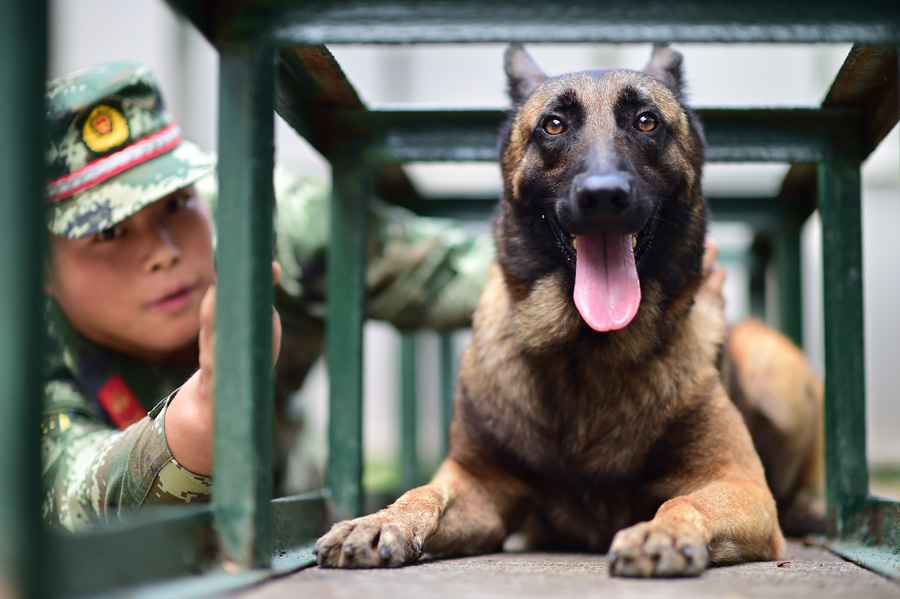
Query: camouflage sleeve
point(422, 272)
point(93, 472)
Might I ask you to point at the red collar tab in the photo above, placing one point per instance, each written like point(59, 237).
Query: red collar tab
point(120, 403)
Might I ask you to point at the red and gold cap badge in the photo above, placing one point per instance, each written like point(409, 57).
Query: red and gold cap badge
point(104, 129)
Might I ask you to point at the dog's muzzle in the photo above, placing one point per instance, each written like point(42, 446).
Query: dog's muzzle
point(606, 202)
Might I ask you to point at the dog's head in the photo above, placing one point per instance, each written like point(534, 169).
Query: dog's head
point(605, 168)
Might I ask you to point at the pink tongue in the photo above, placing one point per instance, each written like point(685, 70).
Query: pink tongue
point(607, 289)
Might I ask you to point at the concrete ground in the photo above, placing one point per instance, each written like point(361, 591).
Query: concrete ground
point(806, 571)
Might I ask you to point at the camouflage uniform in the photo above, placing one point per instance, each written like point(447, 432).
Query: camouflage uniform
point(104, 446)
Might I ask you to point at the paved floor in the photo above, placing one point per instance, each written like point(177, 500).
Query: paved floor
point(807, 571)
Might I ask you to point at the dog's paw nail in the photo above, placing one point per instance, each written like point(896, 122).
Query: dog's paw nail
point(349, 549)
point(385, 552)
point(417, 546)
point(613, 556)
point(687, 551)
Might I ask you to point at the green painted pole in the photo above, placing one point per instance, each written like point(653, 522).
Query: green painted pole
point(847, 479)
point(23, 554)
point(759, 262)
point(448, 385)
point(788, 268)
point(243, 445)
point(409, 439)
point(344, 335)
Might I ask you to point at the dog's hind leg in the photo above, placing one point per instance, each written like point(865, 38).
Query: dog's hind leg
point(780, 397)
point(457, 513)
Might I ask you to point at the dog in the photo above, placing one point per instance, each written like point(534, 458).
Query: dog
point(590, 410)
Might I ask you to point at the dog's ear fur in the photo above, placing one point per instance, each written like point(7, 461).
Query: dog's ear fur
point(665, 65)
point(522, 73)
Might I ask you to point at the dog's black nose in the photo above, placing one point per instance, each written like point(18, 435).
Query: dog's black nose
point(604, 194)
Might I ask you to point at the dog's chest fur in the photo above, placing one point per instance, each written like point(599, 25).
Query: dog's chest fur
point(592, 440)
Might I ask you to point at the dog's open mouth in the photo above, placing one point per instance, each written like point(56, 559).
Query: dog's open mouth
point(607, 288)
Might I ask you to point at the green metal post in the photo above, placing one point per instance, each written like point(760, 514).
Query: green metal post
point(243, 447)
point(786, 251)
point(847, 480)
point(758, 263)
point(409, 366)
point(448, 385)
point(22, 114)
point(344, 337)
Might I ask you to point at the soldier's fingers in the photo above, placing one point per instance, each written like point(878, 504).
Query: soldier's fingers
point(715, 279)
point(276, 272)
point(276, 335)
point(711, 251)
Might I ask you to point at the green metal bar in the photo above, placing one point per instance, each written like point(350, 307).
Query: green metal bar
point(758, 263)
point(167, 545)
point(448, 385)
point(344, 335)
point(847, 480)
point(298, 520)
point(243, 444)
point(409, 438)
point(788, 268)
point(409, 21)
point(871, 538)
point(877, 559)
point(171, 545)
point(22, 234)
point(732, 134)
point(761, 213)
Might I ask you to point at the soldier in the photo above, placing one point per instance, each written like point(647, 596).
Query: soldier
point(127, 414)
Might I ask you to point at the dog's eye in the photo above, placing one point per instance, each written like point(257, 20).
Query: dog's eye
point(554, 126)
point(646, 122)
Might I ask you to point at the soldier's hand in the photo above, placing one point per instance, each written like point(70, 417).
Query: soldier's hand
point(276, 319)
point(714, 274)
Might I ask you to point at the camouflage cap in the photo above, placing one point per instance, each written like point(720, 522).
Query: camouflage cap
point(112, 148)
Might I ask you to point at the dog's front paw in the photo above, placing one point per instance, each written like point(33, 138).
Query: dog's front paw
point(653, 549)
point(373, 541)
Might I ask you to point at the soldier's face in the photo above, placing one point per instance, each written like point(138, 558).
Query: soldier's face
point(136, 288)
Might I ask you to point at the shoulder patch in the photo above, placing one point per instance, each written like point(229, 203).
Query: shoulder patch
point(56, 423)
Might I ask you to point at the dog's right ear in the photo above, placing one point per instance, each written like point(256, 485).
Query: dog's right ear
point(665, 65)
point(522, 73)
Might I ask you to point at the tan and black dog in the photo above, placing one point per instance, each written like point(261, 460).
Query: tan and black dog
point(590, 411)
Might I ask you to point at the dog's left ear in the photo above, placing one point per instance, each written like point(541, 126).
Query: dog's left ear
point(522, 73)
point(665, 65)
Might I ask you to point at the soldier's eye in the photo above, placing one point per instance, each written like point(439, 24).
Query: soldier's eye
point(646, 122)
point(176, 203)
point(114, 232)
point(554, 126)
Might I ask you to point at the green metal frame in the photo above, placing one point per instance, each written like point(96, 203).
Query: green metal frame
point(22, 76)
point(272, 56)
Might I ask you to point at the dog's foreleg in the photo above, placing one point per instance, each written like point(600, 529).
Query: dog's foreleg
point(456, 513)
point(720, 509)
point(732, 519)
